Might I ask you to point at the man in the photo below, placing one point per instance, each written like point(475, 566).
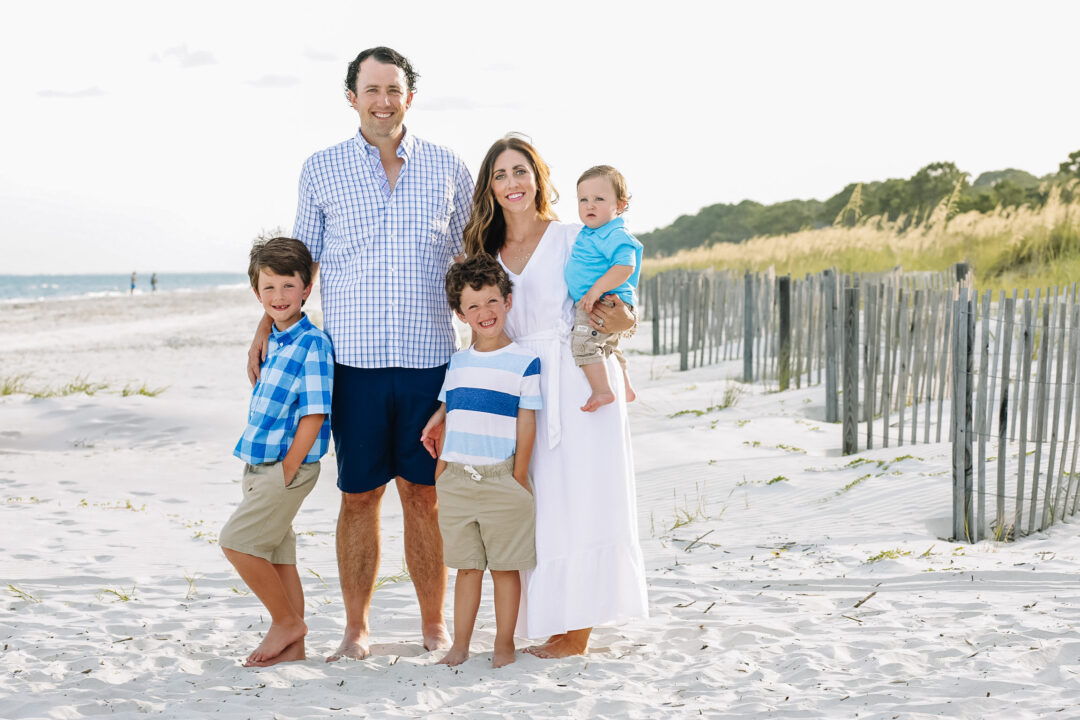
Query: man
point(383, 215)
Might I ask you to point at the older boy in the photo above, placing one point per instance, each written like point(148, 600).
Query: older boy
point(486, 510)
point(288, 431)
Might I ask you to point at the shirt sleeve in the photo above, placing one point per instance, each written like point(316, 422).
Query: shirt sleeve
point(310, 222)
point(317, 379)
point(620, 247)
point(530, 387)
point(463, 191)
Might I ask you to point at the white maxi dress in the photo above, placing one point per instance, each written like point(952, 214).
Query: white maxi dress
point(589, 569)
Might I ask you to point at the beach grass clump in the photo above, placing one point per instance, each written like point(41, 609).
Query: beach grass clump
point(80, 385)
point(143, 389)
point(777, 479)
point(13, 384)
point(887, 555)
point(402, 576)
point(23, 595)
point(691, 510)
point(120, 594)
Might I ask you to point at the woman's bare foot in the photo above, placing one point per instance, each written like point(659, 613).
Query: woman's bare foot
point(435, 637)
point(575, 642)
point(278, 637)
point(292, 653)
point(355, 645)
point(535, 649)
point(456, 656)
point(598, 400)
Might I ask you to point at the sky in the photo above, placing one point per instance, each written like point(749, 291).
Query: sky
point(164, 137)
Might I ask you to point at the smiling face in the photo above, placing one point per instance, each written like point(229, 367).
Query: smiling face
point(485, 312)
point(381, 97)
point(282, 296)
point(513, 182)
point(597, 203)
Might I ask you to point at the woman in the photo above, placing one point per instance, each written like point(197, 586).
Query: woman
point(589, 567)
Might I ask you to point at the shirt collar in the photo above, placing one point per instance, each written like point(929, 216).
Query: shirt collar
point(606, 229)
point(288, 337)
point(404, 148)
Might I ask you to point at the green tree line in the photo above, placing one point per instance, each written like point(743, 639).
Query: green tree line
point(910, 201)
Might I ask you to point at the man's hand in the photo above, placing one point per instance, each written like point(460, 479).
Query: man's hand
point(258, 349)
point(611, 315)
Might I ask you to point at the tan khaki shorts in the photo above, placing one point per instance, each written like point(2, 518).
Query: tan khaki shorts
point(487, 519)
point(262, 525)
point(592, 346)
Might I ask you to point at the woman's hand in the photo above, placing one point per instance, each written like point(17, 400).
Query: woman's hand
point(611, 315)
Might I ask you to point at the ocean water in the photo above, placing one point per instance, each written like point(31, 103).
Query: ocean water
point(52, 287)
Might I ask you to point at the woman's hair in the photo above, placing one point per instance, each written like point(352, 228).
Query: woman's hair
point(618, 182)
point(486, 230)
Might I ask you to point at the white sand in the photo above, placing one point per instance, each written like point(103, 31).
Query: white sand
point(105, 496)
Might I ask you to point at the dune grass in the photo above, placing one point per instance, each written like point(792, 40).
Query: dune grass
point(1008, 248)
point(18, 384)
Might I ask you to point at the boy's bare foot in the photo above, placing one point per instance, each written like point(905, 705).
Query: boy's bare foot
point(278, 637)
point(503, 656)
point(598, 400)
point(456, 656)
point(292, 653)
point(355, 645)
point(435, 637)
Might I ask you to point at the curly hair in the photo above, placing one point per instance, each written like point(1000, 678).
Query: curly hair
point(618, 182)
point(386, 55)
point(281, 256)
point(479, 271)
point(486, 230)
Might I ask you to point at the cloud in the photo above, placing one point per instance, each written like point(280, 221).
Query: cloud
point(275, 81)
point(187, 58)
point(456, 103)
point(72, 94)
point(320, 56)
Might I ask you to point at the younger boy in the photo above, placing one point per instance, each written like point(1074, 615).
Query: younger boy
point(486, 511)
point(288, 431)
point(605, 259)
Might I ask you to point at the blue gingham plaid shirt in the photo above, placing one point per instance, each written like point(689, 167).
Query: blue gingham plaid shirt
point(296, 380)
point(383, 255)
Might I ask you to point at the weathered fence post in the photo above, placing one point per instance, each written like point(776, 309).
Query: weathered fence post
point(832, 409)
point(851, 371)
point(684, 324)
point(963, 363)
point(654, 297)
point(748, 328)
point(783, 368)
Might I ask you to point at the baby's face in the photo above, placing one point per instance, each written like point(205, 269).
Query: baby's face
point(597, 204)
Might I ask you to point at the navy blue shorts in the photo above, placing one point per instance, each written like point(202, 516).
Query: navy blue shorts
point(376, 418)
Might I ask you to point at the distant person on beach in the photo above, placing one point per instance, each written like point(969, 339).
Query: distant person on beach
point(383, 214)
point(288, 431)
point(153, 282)
point(133, 278)
point(605, 260)
point(489, 401)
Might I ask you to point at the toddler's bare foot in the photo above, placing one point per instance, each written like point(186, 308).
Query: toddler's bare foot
point(354, 645)
point(292, 653)
point(503, 655)
point(435, 637)
point(278, 637)
point(598, 400)
point(631, 396)
point(456, 656)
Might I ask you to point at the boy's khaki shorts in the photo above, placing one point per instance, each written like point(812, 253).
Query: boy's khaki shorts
point(262, 525)
point(487, 519)
point(592, 346)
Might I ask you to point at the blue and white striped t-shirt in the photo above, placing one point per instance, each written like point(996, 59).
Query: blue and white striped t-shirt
point(482, 392)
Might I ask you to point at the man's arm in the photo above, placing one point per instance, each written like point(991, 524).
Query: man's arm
point(526, 437)
point(307, 431)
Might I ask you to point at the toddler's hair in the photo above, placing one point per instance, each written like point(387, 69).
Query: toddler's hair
point(281, 256)
point(477, 272)
point(617, 181)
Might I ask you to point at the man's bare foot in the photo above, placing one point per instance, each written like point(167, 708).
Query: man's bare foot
point(598, 400)
point(355, 645)
point(278, 637)
point(503, 655)
point(292, 653)
point(456, 656)
point(435, 637)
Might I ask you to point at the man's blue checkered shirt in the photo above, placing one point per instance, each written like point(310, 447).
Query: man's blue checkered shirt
point(296, 380)
point(383, 255)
